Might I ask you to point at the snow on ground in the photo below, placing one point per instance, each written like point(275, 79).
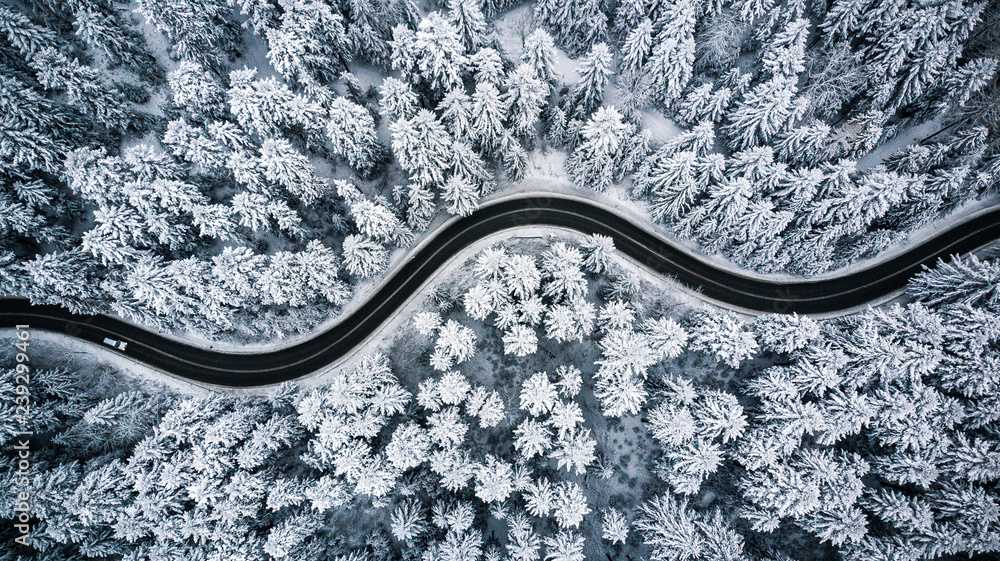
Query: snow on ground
point(156, 43)
point(253, 54)
point(513, 26)
point(905, 138)
point(511, 29)
point(660, 128)
point(546, 173)
point(368, 76)
point(59, 350)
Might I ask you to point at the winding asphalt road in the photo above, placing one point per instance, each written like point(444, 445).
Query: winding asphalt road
point(234, 369)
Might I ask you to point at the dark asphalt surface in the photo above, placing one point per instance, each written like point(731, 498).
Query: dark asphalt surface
point(256, 369)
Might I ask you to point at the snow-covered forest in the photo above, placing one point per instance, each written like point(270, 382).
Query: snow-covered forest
point(613, 424)
point(236, 169)
point(241, 170)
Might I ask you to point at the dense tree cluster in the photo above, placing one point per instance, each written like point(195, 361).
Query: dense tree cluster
point(872, 435)
point(146, 171)
point(781, 165)
point(208, 212)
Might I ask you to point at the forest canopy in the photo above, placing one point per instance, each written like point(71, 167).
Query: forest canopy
point(239, 170)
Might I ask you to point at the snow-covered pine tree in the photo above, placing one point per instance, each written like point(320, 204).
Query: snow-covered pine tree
point(595, 72)
point(104, 29)
point(422, 147)
point(524, 99)
point(761, 115)
point(431, 58)
point(487, 66)
point(671, 62)
point(614, 526)
point(456, 112)
point(364, 257)
point(83, 88)
point(268, 107)
point(565, 545)
point(351, 129)
point(592, 164)
point(577, 24)
point(539, 54)
point(469, 21)
point(204, 31)
point(397, 101)
point(283, 164)
point(461, 195)
point(784, 54)
point(487, 128)
point(724, 335)
point(637, 47)
point(308, 46)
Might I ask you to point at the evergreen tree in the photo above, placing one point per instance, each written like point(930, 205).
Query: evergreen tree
point(524, 99)
point(195, 145)
point(83, 88)
point(69, 279)
point(461, 196)
point(594, 163)
point(422, 147)
point(539, 54)
point(785, 52)
point(407, 521)
point(538, 394)
point(309, 45)
point(725, 336)
point(456, 112)
point(494, 480)
point(23, 34)
point(598, 250)
point(670, 64)
point(35, 132)
point(469, 21)
point(398, 100)
point(761, 115)
point(103, 29)
point(614, 526)
point(288, 536)
point(637, 47)
point(569, 505)
point(286, 166)
point(351, 129)
point(469, 165)
point(577, 24)
point(432, 57)
point(970, 282)
point(201, 30)
point(364, 257)
point(804, 145)
point(268, 107)
point(565, 545)
point(489, 108)
point(595, 71)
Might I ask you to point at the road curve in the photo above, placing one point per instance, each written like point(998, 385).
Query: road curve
point(236, 369)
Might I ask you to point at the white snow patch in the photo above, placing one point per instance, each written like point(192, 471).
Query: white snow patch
point(905, 138)
point(368, 76)
point(513, 26)
point(254, 55)
point(660, 128)
point(566, 69)
point(60, 348)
